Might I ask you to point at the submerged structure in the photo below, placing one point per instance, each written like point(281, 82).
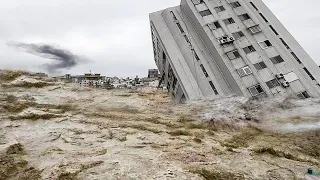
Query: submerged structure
point(211, 48)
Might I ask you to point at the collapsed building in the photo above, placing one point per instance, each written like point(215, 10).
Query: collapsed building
point(212, 48)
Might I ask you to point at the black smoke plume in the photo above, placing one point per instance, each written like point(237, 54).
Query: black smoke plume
point(64, 58)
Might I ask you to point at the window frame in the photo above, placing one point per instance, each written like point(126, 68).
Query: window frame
point(254, 6)
point(229, 21)
point(259, 65)
point(277, 59)
point(205, 13)
point(244, 71)
point(244, 17)
point(205, 72)
point(255, 29)
point(235, 4)
point(265, 44)
point(309, 73)
point(250, 49)
point(296, 57)
point(273, 83)
point(238, 35)
point(213, 88)
point(256, 87)
point(214, 25)
point(303, 95)
point(219, 9)
point(236, 55)
point(180, 27)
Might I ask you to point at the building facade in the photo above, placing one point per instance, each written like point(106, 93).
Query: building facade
point(210, 48)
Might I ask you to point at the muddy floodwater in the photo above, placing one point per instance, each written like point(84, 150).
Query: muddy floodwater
point(54, 130)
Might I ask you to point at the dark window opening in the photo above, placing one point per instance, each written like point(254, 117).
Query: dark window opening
point(238, 35)
point(180, 27)
point(173, 15)
point(264, 18)
point(214, 25)
point(284, 43)
point(235, 4)
point(196, 56)
point(296, 57)
point(255, 29)
point(204, 70)
point(303, 95)
point(256, 90)
point(244, 17)
point(233, 55)
point(186, 38)
point(228, 21)
point(213, 88)
point(276, 60)
point(196, 2)
point(260, 65)
point(217, 24)
point(205, 13)
point(254, 6)
point(273, 83)
point(309, 74)
point(271, 27)
point(265, 44)
point(249, 49)
point(219, 9)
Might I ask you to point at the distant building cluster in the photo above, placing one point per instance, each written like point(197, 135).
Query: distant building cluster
point(94, 80)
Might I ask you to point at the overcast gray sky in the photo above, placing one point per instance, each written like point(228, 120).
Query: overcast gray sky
point(115, 35)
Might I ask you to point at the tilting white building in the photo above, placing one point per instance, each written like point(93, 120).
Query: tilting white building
point(211, 48)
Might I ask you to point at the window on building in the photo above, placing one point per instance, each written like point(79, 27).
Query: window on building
point(229, 21)
point(303, 95)
point(173, 15)
point(233, 55)
point(204, 70)
point(309, 74)
point(180, 27)
point(245, 71)
point(196, 2)
point(186, 38)
point(264, 18)
point(238, 34)
point(219, 9)
point(214, 25)
point(256, 90)
point(249, 49)
point(284, 43)
point(255, 29)
point(271, 27)
point(254, 6)
point(205, 13)
point(273, 83)
point(196, 56)
point(276, 60)
point(244, 17)
point(260, 65)
point(235, 4)
point(265, 44)
point(213, 88)
point(296, 57)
